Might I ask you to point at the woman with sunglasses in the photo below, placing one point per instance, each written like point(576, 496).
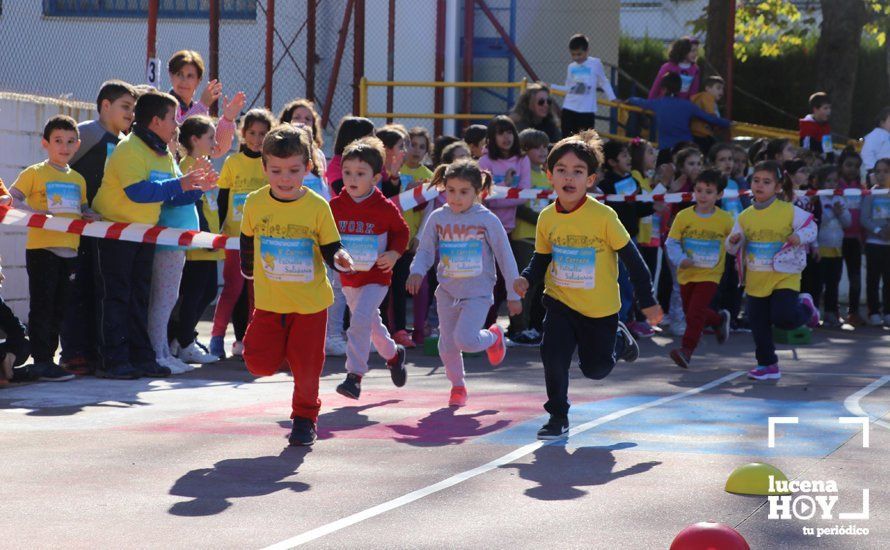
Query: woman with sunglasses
point(535, 109)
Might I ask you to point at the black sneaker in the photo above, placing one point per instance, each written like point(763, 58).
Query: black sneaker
point(123, 371)
point(303, 432)
point(351, 387)
point(397, 370)
point(47, 371)
point(631, 348)
point(153, 370)
point(681, 357)
point(529, 338)
point(722, 330)
point(555, 428)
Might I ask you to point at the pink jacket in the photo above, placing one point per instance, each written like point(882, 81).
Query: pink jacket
point(505, 209)
point(689, 76)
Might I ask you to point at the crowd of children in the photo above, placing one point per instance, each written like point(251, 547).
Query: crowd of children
point(327, 261)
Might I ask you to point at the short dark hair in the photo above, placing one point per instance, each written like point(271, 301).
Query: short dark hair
point(391, 134)
point(579, 42)
point(818, 100)
point(112, 90)
point(285, 141)
point(532, 139)
point(439, 145)
point(722, 146)
point(60, 122)
point(351, 128)
point(713, 79)
point(420, 131)
point(369, 150)
point(193, 126)
point(611, 150)
point(671, 83)
point(585, 145)
point(499, 125)
point(712, 177)
point(475, 133)
point(186, 57)
point(153, 104)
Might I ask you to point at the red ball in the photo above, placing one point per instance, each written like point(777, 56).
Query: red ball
point(709, 536)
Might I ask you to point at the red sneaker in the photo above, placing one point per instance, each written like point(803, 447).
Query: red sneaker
point(497, 351)
point(404, 339)
point(458, 396)
point(78, 365)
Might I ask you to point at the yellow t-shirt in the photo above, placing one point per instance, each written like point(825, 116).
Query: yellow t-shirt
point(703, 242)
point(288, 270)
point(524, 229)
point(210, 211)
point(708, 104)
point(650, 226)
point(584, 272)
point(766, 231)
point(241, 175)
point(412, 177)
point(62, 193)
point(131, 162)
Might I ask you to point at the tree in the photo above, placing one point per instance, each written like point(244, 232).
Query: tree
point(717, 14)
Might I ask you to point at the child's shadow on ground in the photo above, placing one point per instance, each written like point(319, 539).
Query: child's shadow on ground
point(560, 474)
point(445, 427)
point(212, 489)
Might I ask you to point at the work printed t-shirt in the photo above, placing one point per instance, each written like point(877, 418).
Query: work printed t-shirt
point(132, 162)
point(702, 239)
point(410, 178)
point(210, 212)
point(241, 175)
point(766, 230)
point(584, 271)
point(524, 229)
point(62, 193)
point(288, 270)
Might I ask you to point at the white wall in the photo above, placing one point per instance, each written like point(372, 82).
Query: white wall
point(21, 122)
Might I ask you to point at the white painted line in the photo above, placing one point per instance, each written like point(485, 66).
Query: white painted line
point(862, 421)
point(852, 403)
point(771, 425)
point(342, 523)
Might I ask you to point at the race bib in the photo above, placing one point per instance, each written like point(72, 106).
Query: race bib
point(703, 252)
point(733, 205)
point(238, 200)
point(574, 267)
point(627, 186)
point(287, 260)
point(827, 144)
point(364, 249)
point(314, 182)
point(210, 199)
point(759, 256)
point(461, 259)
point(880, 207)
point(63, 197)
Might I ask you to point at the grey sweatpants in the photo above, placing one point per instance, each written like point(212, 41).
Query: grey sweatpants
point(459, 322)
point(366, 327)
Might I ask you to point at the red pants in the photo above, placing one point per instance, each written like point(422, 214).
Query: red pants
point(273, 337)
point(697, 299)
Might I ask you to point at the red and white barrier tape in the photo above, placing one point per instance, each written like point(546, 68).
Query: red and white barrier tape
point(155, 234)
point(134, 232)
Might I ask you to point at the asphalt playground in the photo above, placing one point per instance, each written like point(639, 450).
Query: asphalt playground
point(201, 460)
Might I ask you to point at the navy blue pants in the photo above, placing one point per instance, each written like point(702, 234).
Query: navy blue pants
point(49, 284)
point(123, 284)
point(565, 330)
point(196, 292)
point(80, 329)
point(781, 309)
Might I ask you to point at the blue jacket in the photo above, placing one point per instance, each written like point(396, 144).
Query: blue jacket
point(672, 117)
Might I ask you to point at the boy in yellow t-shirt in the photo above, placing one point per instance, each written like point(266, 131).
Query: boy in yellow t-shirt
point(51, 187)
point(287, 235)
point(140, 176)
point(577, 245)
point(695, 246)
point(527, 327)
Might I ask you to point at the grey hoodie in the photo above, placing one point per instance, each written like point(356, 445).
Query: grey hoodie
point(467, 244)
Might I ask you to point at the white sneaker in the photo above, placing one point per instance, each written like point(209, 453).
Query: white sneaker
point(238, 349)
point(335, 346)
point(175, 348)
point(171, 363)
point(193, 354)
point(183, 366)
point(875, 320)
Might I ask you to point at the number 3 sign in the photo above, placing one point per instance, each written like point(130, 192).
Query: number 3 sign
point(151, 71)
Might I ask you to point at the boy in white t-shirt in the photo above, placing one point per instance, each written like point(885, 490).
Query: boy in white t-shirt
point(584, 75)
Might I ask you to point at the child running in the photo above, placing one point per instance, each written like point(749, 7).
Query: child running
point(771, 236)
point(374, 233)
point(287, 235)
point(695, 245)
point(578, 244)
point(468, 238)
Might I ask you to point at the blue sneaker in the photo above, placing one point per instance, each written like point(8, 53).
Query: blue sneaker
point(765, 373)
point(217, 347)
